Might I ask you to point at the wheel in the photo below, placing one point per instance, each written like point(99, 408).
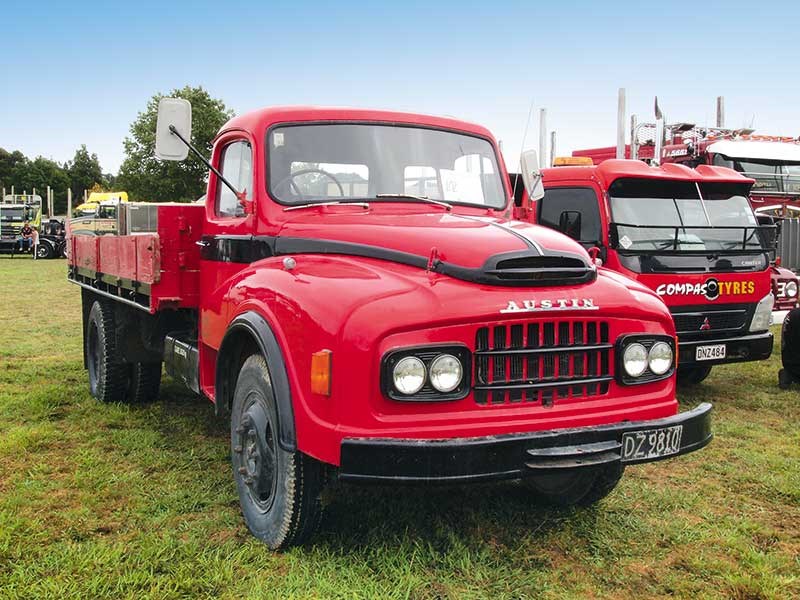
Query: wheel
point(784, 379)
point(692, 375)
point(144, 382)
point(108, 375)
point(45, 251)
point(279, 491)
point(582, 486)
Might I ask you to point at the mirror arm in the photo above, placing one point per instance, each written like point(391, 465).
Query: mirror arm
point(239, 195)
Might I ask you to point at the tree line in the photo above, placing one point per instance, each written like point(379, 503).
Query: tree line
point(145, 178)
point(83, 172)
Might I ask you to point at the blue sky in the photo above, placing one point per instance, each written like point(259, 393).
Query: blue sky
point(78, 73)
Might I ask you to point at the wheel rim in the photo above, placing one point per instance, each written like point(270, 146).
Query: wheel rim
point(41, 252)
point(93, 356)
point(256, 451)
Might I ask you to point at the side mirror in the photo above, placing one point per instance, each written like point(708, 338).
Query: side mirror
point(177, 113)
point(531, 175)
point(569, 223)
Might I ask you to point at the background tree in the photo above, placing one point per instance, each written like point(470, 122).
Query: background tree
point(8, 163)
point(84, 171)
point(146, 178)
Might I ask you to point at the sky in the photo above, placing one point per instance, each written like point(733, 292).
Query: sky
point(77, 73)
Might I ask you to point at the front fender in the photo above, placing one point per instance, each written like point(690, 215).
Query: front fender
point(258, 329)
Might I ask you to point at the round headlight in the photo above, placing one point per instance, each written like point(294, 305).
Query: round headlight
point(409, 375)
point(660, 358)
point(791, 289)
point(446, 373)
point(634, 359)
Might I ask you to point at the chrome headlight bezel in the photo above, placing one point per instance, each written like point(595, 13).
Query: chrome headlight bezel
point(790, 289)
point(427, 355)
point(647, 341)
point(762, 315)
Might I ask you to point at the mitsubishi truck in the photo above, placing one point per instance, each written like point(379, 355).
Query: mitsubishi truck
point(689, 235)
point(773, 162)
point(354, 300)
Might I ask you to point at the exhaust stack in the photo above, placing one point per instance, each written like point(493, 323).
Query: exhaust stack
point(543, 136)
point(721, 112)
point(659, 141)
point(621, 123)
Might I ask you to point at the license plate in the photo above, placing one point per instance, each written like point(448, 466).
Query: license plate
point(714, 352)
point(651, 443)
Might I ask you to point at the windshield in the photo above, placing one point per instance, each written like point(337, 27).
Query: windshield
point(16, 214)
point(340, 162)
point(681, 219)
point(770, 175)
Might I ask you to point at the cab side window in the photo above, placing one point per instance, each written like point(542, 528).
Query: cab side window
point(236, 165)
point(560, 207)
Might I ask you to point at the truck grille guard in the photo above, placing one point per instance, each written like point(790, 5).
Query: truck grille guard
point(541, 362)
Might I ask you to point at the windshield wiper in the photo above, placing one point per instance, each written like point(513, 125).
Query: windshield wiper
point(418, 198)
point(362, 203)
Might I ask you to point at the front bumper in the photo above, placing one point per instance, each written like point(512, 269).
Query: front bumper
point(757, 346)
point(514, 456)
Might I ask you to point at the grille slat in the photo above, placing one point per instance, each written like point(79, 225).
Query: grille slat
point(543, 362)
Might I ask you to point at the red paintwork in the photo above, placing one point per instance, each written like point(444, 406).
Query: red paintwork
point(780, 276)
point(359, 308)
point(167, 260)
point(601, 176)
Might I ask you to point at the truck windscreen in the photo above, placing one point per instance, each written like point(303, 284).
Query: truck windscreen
point(341, 162)
point(681, 217)
point(772, 176)
point(16, 214)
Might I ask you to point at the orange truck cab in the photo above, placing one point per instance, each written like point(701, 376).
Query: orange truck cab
point(690, 235)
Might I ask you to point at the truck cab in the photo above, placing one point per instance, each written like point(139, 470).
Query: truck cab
point(689, 235)
point(354, 299)
point(15, 211)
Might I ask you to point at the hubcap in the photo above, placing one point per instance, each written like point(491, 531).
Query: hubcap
point(255, 447)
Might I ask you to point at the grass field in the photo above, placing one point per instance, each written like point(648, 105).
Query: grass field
point(111, 501)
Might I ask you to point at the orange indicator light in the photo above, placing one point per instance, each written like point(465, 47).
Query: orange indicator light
point(321, 372)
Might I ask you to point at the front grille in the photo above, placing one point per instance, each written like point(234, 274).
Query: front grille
point(692, 322)
point(541, 362)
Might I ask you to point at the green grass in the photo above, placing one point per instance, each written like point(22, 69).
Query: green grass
point(111, 501)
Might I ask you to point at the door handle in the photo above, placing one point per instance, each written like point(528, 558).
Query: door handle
point(203, 243)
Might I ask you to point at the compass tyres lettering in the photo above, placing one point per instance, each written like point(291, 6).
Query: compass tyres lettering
point(711, 289)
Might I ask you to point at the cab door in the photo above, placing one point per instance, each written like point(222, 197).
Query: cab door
point(227, 235)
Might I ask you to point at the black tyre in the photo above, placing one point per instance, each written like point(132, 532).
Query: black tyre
point(785, 379)
point(692, 375)
point(279, 491)
point(582, 486)
point(144, 382)
point(108, 375)
point(44, 251)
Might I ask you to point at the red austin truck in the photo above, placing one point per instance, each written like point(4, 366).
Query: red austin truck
point(687, 234)
point(354, 299)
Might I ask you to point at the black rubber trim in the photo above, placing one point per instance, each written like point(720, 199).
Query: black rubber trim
point(427, 354)
point(257, 326)
point(248, 249)
point(743, 348)
point(464, 460)
point(648, 341)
